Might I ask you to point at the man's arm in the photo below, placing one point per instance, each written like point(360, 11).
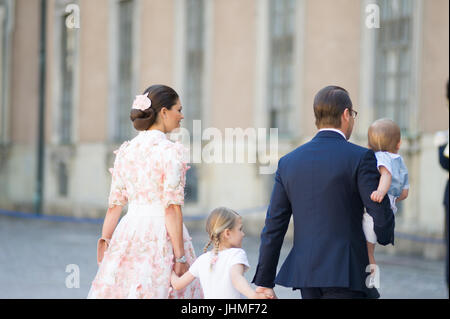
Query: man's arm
point(444, 161)
point(383, 217)
point(276, 224)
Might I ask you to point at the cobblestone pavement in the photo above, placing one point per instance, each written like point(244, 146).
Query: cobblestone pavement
point(34, 255)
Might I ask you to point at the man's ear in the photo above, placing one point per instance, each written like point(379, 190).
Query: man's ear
point(347, 114)
point(345, 117)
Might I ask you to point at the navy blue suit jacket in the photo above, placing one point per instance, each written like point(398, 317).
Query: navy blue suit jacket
point(325, 185)
point(445, 164)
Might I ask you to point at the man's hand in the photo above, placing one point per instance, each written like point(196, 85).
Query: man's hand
point(269, 292)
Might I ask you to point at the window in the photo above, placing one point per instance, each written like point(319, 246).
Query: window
point(281, 61)
point(67, 68)
point(194, 62)
point(193, 81)
point(393, 61)
point(191, 187)
point(2, 73)
point(124, 92)
point(6, 8)
point(63, 179)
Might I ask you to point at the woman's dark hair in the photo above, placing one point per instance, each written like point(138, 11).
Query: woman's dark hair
point(329, 104)
point(161, 96)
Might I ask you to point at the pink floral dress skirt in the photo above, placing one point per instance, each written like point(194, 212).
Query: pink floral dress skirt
point(139, 261)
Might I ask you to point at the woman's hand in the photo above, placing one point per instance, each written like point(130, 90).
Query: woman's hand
point(180, 268)
point(102, 245)
point(109, 224)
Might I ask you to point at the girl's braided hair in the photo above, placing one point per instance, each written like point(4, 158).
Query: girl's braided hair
point(218, 221)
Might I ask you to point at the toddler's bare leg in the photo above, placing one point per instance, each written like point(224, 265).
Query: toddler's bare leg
point(371, 251)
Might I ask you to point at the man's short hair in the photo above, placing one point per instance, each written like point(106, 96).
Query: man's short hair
point(329, 105)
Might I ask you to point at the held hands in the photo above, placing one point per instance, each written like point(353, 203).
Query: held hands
point(173, 279)
point(180, 268)
point(265, 293)
point(377, 196)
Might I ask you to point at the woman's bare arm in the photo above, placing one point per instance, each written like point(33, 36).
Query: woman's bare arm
point(110, 222)
point(174, 226)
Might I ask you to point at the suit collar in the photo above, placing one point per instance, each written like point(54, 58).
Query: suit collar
point(330, 133)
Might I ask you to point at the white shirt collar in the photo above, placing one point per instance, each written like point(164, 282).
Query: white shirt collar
point(334, 130)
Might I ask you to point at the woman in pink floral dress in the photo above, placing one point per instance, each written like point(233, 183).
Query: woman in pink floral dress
point(136, 258)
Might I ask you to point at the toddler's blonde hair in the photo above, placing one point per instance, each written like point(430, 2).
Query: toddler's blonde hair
point(218, 221)
point(384, 135)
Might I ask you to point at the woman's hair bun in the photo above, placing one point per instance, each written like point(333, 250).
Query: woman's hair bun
point(142, 120)
point(160, 96)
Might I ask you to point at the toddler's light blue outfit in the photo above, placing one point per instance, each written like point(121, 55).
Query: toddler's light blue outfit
point(396, 166)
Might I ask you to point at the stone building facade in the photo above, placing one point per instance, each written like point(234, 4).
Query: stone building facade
point(236, 64)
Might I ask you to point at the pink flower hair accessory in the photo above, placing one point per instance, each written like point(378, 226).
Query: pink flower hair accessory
point(142, 102)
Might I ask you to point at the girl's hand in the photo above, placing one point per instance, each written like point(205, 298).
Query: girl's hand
point(173, 278)
point(269, 293)
point(181, 282)
point(260, 295)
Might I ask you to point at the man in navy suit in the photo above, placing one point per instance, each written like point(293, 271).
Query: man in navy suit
point(444, 161)
point(325, 185)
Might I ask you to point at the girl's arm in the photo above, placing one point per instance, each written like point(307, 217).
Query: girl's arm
point(242, 285)
point(181, 282)
point(383, 186)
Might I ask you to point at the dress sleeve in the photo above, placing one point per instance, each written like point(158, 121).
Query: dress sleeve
point(240, 257)
point(175, 168)
point(118, 195)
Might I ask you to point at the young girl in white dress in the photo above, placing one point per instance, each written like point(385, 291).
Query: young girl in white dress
point(221, 270)
point(384, 139)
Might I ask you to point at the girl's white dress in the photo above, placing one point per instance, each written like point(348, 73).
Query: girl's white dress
point(216, 282)
point(149, 174)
